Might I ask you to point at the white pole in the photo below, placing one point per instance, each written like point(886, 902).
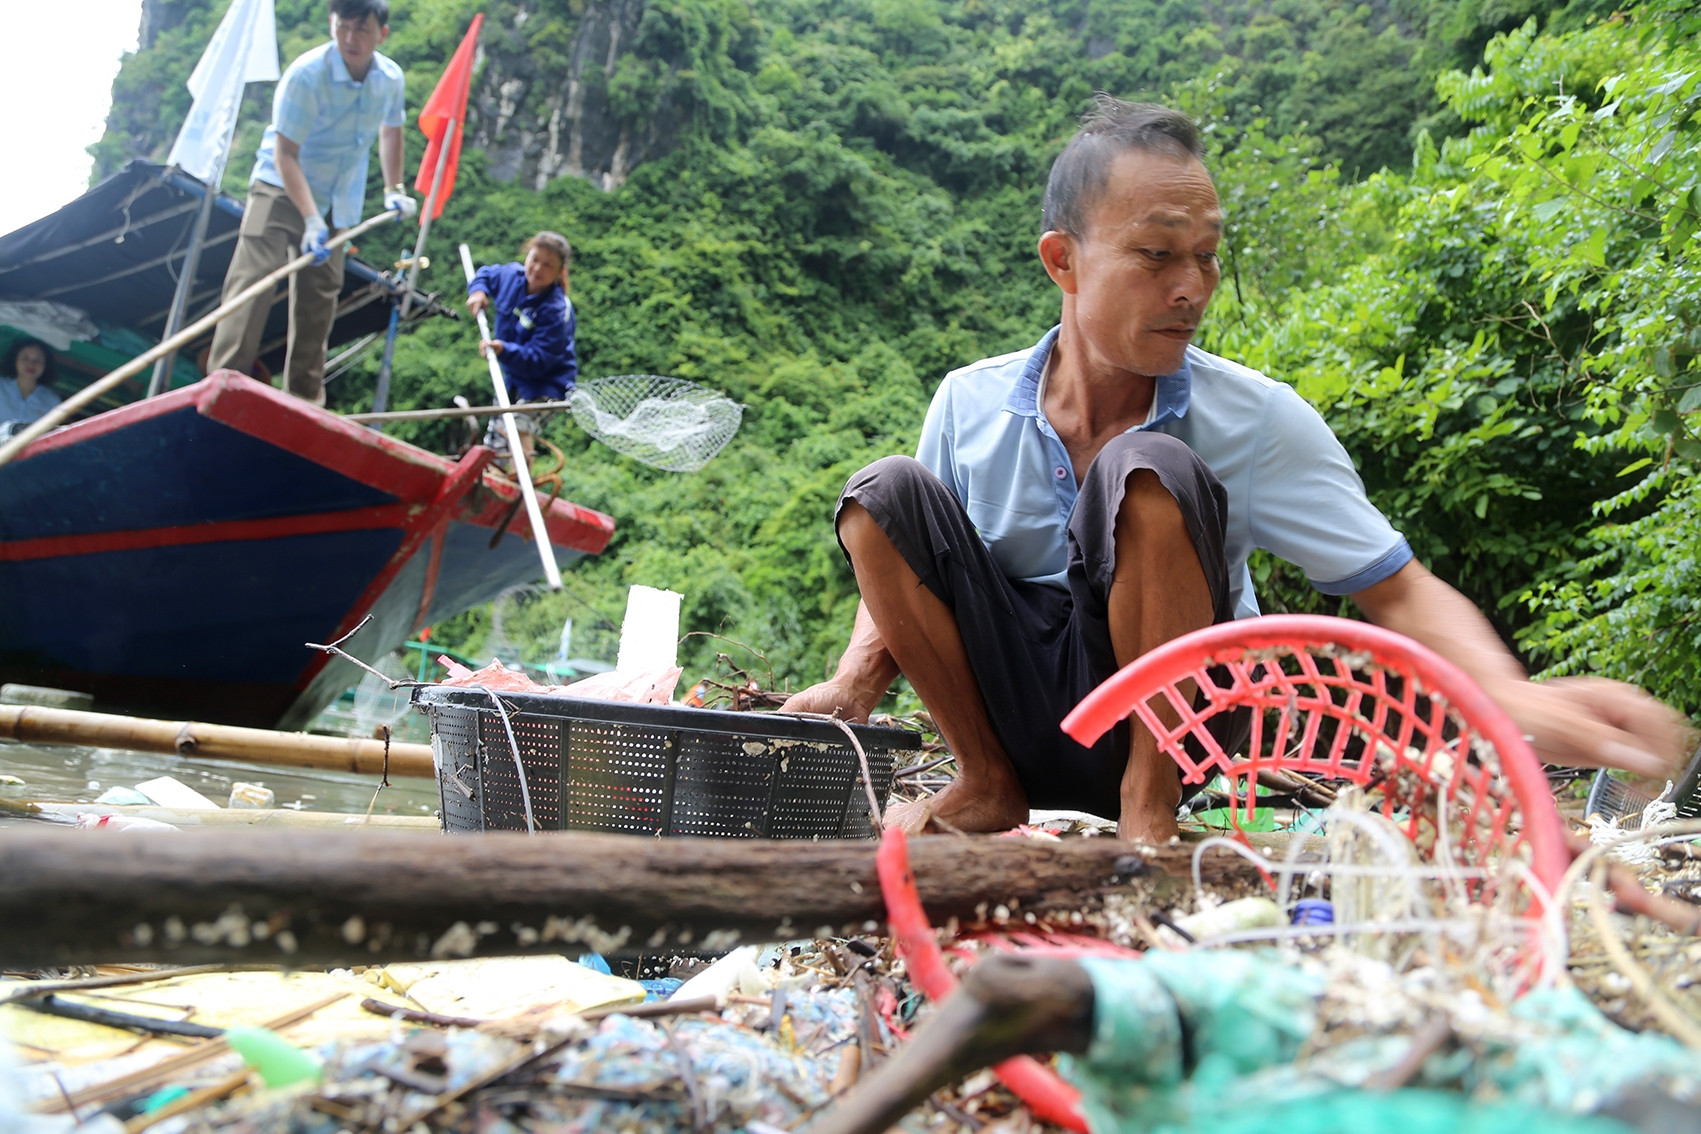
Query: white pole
point(528, 492)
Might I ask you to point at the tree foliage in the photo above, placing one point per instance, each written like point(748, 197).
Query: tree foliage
point(1485, 282)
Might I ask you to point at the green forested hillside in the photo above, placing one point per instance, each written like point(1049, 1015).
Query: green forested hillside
point(838, 203)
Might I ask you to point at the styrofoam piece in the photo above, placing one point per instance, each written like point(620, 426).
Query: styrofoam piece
point(169, 791)
point(252, 795)
point(649, 634)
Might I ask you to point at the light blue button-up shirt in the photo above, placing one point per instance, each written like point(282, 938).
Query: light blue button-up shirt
point(335, 121)
point(1292, 489)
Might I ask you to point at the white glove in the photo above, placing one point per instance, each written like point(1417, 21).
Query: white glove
point(313, 240)
point(398, 199)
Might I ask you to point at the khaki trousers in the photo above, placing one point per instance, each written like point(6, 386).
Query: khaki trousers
point(272, 228)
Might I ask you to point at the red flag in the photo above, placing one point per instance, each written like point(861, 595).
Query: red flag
point(448, 103)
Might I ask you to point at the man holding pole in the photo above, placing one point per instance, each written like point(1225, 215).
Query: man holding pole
point(309, 181)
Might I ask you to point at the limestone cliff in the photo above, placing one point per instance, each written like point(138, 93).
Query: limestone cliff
point(536, 121)
point(540, 105)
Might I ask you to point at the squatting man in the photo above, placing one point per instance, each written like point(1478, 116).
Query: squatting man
point(1073, 505)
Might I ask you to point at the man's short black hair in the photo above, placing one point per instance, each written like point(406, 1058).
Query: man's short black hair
point(1109, 130)
point(356, 11)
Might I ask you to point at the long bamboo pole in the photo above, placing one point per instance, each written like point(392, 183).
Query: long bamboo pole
point(528, 492)
point(63, 411)
point(33, 724)
point(451, 411)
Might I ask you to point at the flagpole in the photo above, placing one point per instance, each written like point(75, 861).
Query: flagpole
point(381, 395)
point(186, 278)
point(425, 217)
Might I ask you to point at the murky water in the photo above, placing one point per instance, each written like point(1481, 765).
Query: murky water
point(63, 774)
point(79, 775)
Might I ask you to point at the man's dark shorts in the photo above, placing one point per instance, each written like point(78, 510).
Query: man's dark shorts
point(1037, 650)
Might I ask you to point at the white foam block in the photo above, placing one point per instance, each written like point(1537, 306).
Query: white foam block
point(649, 635)
point(168, 791)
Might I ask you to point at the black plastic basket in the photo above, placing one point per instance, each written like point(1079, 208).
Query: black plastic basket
point(651, 769)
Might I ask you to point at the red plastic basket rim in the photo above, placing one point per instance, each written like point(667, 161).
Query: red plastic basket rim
point(1115, 699)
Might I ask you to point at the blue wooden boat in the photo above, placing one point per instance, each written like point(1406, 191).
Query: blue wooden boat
point(173, 555)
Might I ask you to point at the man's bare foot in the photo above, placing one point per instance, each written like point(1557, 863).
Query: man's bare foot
point(1155, 826)
point(964, 808)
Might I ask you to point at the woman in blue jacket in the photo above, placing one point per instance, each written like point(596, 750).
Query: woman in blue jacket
point(534, 325)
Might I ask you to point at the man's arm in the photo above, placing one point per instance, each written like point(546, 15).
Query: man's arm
point(865, 672)
point(390, 154)
point(1581, 722)
point(286, 154)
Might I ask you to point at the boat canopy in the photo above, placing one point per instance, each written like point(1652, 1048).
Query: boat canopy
point(112, 257)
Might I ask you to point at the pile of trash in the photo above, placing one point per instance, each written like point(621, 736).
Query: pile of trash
point(1374, 985)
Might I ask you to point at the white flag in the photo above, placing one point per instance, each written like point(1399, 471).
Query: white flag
point(243, 50)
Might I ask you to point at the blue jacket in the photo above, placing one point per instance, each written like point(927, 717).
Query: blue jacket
point(536, 333)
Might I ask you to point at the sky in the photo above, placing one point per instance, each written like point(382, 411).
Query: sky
point(57, 87)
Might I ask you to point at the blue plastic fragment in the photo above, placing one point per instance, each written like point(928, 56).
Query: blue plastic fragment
point(1313, 911)
point(595, 961)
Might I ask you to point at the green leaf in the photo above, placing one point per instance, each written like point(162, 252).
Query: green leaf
point(1664, 421)
point(1688, 448)
point(1691, 400)
point(1594, 248)
point(1635, 466)
point(1547, 210)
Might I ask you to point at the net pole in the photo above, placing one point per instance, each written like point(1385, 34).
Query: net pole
point(528, 491)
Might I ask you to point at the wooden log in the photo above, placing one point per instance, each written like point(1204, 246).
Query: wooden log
point(34, 724)
point(339, 898)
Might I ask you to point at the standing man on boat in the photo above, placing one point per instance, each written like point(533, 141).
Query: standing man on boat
point(309, 181)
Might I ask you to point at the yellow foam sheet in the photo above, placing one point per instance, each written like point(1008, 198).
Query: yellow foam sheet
point(220, 999)
point(503, 986)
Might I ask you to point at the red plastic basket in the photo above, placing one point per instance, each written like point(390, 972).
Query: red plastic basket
point(1350, 701)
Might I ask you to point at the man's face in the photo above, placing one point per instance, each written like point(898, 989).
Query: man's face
point(357, 40)
point(1144, 270)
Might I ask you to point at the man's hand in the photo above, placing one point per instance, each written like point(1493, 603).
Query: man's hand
point(831, 698)
point(1581, 721)
point(1590, 722)
point(313, 239)
point(396, 199)
point(488, 347)
point(477, 302)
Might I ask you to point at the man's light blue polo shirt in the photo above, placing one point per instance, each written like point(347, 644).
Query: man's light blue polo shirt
point(1292, 489)
point(335, 121)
